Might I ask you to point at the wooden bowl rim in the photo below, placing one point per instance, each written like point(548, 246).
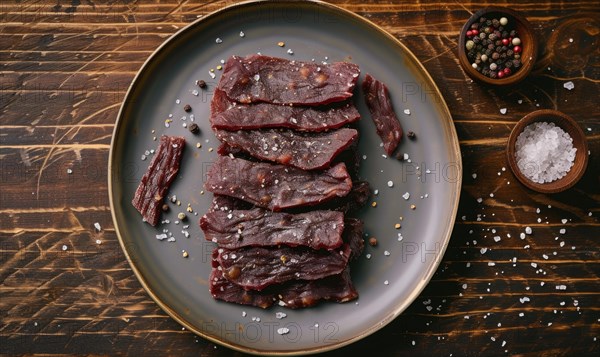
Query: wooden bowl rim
point(579, 142)
point(527, 64)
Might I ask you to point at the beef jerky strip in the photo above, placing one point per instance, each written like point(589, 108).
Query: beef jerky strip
point(257, 78)
point(294, 295)
point(359, 195)
point(226, 204)
point(229, 115)
point(255, 268)
point(260, 227)
point(287, 147)
point(378, 101)
point(276, 187)
point(149, 196)
point(353, 236)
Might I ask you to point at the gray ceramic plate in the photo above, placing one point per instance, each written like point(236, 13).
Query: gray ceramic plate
point(387, 283)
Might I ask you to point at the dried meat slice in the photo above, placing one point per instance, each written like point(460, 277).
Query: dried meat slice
point(386, 122)
point(229, 115)
point(260, 227)
point(288, 147)
point(276, 187)
point(258, 78)
point(293, 295)
point(353, 236)
point(338, 288)
point(255, 268)
point(161, 172)
point(227, 203)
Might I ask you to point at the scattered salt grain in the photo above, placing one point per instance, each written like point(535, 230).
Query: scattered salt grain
point(569, 85)
point(97, 226)
point(562, 231)
point(242, 34)
point(406, 196)
point(289, 51)
point(69, 171)
point(280, 315)
point(503, 111)
point(390, 184)
point(544, 152)
point(64, 247)
point(497, 239)
point(386, 282)
point(386, 253)
point(474, 176)
point(283, 330)
point(407, 111)
point(218, 40)
point(524, 300)
point(98, 241)
point(528, 230)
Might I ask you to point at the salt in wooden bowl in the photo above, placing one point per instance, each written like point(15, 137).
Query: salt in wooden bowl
point(579, 142)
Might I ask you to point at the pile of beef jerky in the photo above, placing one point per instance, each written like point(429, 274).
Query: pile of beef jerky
point(285, 183)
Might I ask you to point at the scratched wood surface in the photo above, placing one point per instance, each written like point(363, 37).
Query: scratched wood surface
point(64, 69)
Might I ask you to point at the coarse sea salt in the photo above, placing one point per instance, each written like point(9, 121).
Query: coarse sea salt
point(544, 152)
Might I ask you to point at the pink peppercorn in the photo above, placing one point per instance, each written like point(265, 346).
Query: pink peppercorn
point(517, 49)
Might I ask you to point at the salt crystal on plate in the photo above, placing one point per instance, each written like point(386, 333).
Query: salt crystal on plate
point(569, 85)
point(407, 111)
point(503, 111)
point(544, 152)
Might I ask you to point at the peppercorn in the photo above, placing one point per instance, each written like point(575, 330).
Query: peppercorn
point(165, 207)
point(373, 241)
point(202, 84)
point(411, 135)
point(187, 108)
point(194, 128)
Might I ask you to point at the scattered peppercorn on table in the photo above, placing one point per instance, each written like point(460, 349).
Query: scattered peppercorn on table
point(520, 274)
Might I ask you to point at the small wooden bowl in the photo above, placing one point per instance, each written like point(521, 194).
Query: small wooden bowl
point(526, 34)
point(579, 142)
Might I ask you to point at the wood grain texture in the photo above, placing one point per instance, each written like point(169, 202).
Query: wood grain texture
point(64, 69)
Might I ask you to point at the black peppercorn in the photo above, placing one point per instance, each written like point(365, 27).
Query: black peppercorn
point(411, 135)
point(194, 128)
point(187, 108)
point(202, 84)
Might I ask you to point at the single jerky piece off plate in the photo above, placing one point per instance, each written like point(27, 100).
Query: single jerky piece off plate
point(260, 227)
point(293, 295)
point(150, 194)
point(229, 115)
point(276, 187)
point(378, 101)
point(257, 78)
point(255, 268)
point(287, 147)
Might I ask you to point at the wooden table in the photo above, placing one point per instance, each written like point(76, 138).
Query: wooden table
point(65, 67)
